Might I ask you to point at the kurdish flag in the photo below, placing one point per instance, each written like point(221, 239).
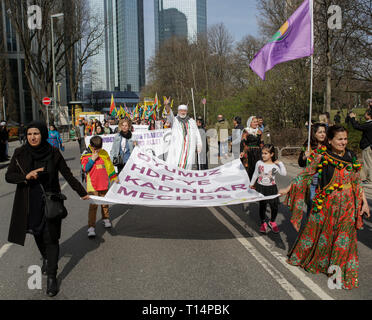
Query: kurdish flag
point(113, 110)
point(294, 40)
point(157, 103)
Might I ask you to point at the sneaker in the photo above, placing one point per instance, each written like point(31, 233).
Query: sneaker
point(274, 227)
point(107, 223)
point(263, 228)
point(91, 232)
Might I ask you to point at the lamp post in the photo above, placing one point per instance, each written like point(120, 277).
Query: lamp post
point(58, 15)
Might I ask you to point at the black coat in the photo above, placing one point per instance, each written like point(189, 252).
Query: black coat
point(20, 166)
point(366, 128)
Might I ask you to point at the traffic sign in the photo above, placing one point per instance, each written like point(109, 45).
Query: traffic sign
point(47, 101)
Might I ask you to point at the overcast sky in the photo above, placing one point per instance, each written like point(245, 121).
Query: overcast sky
point(239, 17)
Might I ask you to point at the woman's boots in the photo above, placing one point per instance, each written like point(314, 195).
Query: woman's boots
point(52, 286)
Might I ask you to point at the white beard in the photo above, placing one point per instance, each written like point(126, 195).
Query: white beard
point(182, 117)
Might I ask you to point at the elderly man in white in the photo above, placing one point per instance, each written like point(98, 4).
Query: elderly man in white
point(185, 138)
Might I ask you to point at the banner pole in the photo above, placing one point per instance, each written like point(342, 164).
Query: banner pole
point(193, 103)
point(311, 102)
point(311, 72)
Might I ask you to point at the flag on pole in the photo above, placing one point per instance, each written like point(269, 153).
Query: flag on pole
point(115, 113)
point(136, 112)
point(122, 112)
point(112, 106)
point(294, 40)
point(156, 103)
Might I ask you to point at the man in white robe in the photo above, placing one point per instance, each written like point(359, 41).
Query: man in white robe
point(185, 138)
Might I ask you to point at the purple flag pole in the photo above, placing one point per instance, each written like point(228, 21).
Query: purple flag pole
point(311, 73)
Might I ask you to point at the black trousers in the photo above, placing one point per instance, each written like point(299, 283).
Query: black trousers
point(82, 146)
point(274, 210)
point(273, 203)
point(49, 249)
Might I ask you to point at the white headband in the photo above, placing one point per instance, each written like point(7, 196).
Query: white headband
point(182, 107)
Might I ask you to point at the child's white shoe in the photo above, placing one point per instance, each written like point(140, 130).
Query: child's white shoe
point(91, 232)
point(107, 223)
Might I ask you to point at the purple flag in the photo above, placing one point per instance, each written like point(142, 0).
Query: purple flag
point(294, 40)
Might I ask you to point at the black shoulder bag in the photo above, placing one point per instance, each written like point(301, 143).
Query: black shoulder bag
point(54, 207)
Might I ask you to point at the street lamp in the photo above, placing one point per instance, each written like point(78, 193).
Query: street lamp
point(58, 15)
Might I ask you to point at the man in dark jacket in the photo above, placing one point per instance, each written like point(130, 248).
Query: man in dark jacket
point(365, 144)
point(4, 136)
point(21, 133)
point(236, 137)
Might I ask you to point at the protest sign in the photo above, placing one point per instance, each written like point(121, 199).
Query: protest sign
point(156, 141)
point(149, 181)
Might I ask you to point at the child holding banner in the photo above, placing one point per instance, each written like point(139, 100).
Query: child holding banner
point(100, 172)
point(264, 174)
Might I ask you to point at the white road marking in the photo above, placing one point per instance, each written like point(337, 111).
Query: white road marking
point(301, 275)
point(121, 216)
point(4, 249)
point(278, 277)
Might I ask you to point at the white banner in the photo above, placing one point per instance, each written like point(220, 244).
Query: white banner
point(137, 127)
point(156, 141)
point(149, 181)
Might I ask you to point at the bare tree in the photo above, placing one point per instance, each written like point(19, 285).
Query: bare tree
point(79, 28)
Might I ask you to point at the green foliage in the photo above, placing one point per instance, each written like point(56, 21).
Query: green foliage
point(353, 138)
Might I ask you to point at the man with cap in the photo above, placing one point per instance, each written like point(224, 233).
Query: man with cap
point(185, 138)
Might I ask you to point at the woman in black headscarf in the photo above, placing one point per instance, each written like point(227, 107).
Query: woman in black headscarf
point(32, 165)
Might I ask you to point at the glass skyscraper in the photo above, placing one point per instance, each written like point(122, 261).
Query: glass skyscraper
point(181, 18)
point(20, 106)
point(120, 64)
point(98, 73)
point(125, 45)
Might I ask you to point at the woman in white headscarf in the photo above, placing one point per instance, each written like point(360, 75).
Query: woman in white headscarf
point(250, 146)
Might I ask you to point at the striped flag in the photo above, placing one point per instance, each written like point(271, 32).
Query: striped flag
point(112, 106)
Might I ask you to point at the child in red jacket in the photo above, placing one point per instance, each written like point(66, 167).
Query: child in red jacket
point(100, 172)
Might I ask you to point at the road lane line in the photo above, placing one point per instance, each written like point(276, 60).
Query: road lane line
point(5, 248)
point(277, 276)
point(301, 275)
point(121, 216)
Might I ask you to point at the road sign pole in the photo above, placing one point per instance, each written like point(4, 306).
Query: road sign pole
point(47, 116)
point(4, 112)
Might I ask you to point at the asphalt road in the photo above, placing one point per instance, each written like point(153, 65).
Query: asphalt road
point(171, 254)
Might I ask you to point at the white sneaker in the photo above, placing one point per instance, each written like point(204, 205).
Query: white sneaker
point(107, 223)
point(91, 232)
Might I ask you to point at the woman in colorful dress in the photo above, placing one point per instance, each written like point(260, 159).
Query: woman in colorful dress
point(318, 139)
point(54, 138)
point(330, 236)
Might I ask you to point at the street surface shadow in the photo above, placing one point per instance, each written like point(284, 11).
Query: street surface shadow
point(79, 245)
point(76, 247)
point(171, 223)
point(287, 236)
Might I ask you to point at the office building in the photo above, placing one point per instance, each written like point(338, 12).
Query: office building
point(179, 18)
point(125, 53)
